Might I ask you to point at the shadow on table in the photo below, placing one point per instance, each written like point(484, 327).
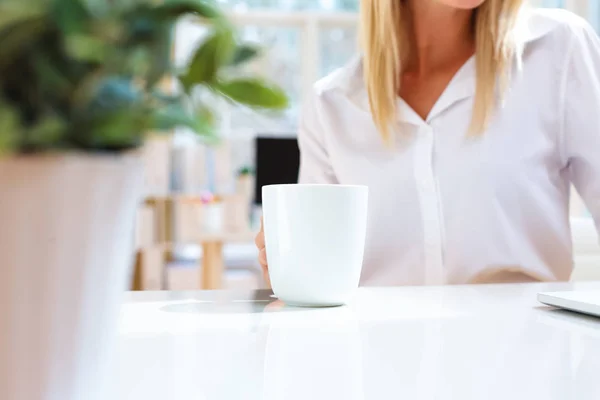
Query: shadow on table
point(260, 301)
point(569, 321)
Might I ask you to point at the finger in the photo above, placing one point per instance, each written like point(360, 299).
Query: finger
point(275, 305)
point(267, 277)
point(262, 259)
point(259, 240)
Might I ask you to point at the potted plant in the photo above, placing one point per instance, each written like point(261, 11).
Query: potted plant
point(80, 88)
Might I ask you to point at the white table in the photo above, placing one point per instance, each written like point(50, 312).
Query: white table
point(487, 342)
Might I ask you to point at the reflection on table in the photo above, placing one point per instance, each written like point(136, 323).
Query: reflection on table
point(465, 342)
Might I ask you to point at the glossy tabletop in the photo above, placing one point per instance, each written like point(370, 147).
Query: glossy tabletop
point(460, 342)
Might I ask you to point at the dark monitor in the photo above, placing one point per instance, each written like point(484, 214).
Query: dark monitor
point(277, 162)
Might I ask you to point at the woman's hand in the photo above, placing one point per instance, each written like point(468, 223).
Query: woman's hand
point(262, 252)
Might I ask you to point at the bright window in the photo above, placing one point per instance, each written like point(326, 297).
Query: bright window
point(319, 5)
point(307, 39)
point(595, 14)
point(304, 40)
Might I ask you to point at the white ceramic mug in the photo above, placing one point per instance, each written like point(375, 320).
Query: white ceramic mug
point(315, 236)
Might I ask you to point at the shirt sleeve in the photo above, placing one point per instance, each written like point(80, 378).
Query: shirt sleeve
point(315, 165)
point(581, 127)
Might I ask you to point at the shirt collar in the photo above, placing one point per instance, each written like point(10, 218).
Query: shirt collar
point(533, 24)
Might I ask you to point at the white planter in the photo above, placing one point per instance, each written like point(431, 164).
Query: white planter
point(66, 248)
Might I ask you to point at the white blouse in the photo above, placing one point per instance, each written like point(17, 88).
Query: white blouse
point(445, 209)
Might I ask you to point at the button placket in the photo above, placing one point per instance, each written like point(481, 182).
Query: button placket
point(430, 206)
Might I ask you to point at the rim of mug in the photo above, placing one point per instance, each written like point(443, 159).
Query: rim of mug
point(315, 185)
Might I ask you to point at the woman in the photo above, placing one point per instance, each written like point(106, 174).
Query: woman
point(468, 120)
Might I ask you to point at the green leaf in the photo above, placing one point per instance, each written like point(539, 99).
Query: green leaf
point(161, 54)
point(115, 117)
point(109, 29)
point(86, 48)
point(243, 54)
point(164, 99)
point(176, 116)
point(176, 8)
point(86, 92)
point(10, 129)
point(205, 125)
point(153, 30)
point(137, 61)
point(171, 117)
point(20, 37)
point(255, 93)
point(115, 93)
point(47, 133)
point(142, 28)
point(215, 52)
point(102, 8)
point(120, 129)
point(80, 73)
point(12, 12)
point(52, 79)
point(72, 16)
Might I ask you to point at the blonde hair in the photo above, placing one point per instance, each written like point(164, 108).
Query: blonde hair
point(384, 42)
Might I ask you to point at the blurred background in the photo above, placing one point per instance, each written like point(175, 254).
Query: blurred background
point(205, 200)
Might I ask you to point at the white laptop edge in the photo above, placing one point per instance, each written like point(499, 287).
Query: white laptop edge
point(573, 301)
